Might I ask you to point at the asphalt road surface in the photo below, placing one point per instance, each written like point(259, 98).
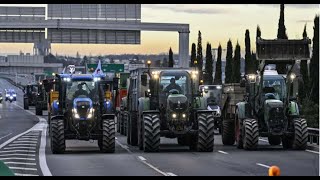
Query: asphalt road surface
point(25, 148)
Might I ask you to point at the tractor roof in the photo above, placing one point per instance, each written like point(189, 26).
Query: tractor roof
point(81, 76)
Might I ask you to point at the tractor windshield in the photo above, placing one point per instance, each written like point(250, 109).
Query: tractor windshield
point(277, 84)
point(82, 89)
point(174, 82)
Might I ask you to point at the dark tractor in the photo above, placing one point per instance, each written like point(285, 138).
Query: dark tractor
point(82, 111)
point(30, 95)
point(267, 110)
point(166, 103)
point(41, 100)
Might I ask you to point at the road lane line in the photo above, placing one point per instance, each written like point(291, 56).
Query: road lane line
point(31, 139)
point(19, 174)
point(42, 151)
point(13, 145)
point(171, 174)
point(264, 140)
point(23, 168)
point(142, 158)
point(12, 151)
point(21, 163)
point(29, 148)
point(32, 142)
point(312, 151)
point(17, 155)
point(123, 146)
point(154, 168)
point(5, 136)
point(223, 152)
point(263, 165)
point(15, 158)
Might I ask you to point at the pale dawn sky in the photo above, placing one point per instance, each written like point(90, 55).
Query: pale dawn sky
point(217, 23)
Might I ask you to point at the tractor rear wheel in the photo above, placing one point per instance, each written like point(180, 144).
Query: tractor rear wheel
point(300, 134)
point(228, 136)
point(58, 142)
point(108, 136)
point(250, 134)
point(205, 140)
point(151, 127)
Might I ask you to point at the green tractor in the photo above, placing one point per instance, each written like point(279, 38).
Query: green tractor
point(267, 110)
point(83, 111)
point(165, 102)
point(41, 99)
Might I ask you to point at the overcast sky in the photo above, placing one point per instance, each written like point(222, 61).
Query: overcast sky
point(217, 23)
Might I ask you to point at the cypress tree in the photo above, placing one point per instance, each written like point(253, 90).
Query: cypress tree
point(304, 72)
point(193, 54)
point(248, 60)
point(171, 63)
point(209, 65)
point(199, 56)
point(281, 68)
point(314, 63)
point(218, 73)
point(236, 74)
point(228, 68)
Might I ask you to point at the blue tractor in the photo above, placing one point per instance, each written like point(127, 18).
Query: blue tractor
point(84, 111)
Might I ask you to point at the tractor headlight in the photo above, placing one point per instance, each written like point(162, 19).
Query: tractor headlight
point(95, 79)
point(7, 95)
point(219, 87)
point(14, 95)
point(90, 114)
point(292, 76)
point(174, 115)
point(75, 113)
point(184, 115)
point(67, 79)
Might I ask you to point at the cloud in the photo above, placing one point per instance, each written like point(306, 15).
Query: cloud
point(189, 8)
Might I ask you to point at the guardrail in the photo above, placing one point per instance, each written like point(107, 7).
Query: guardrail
point(313, 136)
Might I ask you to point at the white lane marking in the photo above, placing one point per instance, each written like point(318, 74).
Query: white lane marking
point(312, 151)
point(223, 152)
point(28, 148)
point(0, 116)
point(171, 174)
point(142, 158)
point(21, 163)
point(263, 165)
point(15, 158)
point(31, 139)
point(5, 136)
point(18, 174)
point(264, 140)
point(42, 151)
point(32, 142)
point(11, 145)
point(152, 167)
point(124, 146)
point(17, 155)
point(13, 151)
point(22, 168)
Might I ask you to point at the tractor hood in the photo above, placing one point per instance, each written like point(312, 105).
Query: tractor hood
point(177, 102)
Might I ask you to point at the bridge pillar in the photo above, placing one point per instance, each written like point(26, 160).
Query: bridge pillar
point(184, 49)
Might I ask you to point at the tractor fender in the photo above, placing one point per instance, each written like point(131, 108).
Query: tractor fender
point(200, 103)
point(56, 117)
point(55, 107)
point(108, 116)
point(293, 109)
point(242, 108)
point(144, 104)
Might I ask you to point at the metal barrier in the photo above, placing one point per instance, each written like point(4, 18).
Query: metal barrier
point(313, 137)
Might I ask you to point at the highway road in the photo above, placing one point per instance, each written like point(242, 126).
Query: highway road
point(25, 148)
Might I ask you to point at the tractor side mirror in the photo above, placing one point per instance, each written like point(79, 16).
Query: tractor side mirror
point(47, 85)
point(115, 83)
point(144, 80)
